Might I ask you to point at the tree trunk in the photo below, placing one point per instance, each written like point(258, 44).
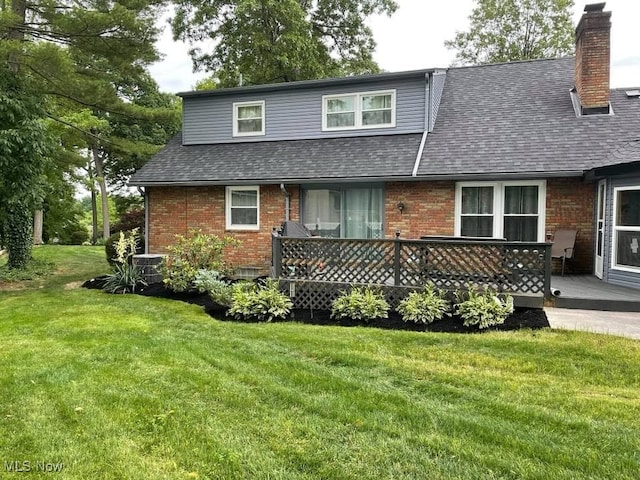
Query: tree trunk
point(38, 220)
point(94, 204)
point(98, 162)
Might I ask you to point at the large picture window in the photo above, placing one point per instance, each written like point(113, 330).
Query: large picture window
point(344, 212)
point(248, 119)
point(510, 210)
point(626, 228)
point(243, 208)
point(359, 110)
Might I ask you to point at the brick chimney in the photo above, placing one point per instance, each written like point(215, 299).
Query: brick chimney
point(592, 59)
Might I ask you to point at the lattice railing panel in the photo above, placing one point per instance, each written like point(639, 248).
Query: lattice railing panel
point(318, 295)
point(348, 261)
point(505, 266)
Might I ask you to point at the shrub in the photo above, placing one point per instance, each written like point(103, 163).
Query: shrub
point(425, 306)
point(125, 277)
point(129, 220)
point(78, 237)
point(110, 244)
point(265, 302)
point(361, 303)
point(483, 309)
point(211, 281)
point(191, 254)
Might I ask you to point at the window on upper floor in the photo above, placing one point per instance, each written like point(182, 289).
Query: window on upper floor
point(243, 208)
point(359, 110)
point(248, 119)
point(511, 210)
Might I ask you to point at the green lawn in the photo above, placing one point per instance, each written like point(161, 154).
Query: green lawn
point(127, 387)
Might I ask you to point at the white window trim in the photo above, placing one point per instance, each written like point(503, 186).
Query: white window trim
point(358, 110)
point(236, 106)
point(228, 192)
point(616, 228)
point(498, 204)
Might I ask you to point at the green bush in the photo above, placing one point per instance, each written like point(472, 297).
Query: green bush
point(110, 244)
point(483, 309)
point(360, 303)
point(262, 302)
point(193, 253)
point(78, 237)
point(425, 306)
point(210, 281)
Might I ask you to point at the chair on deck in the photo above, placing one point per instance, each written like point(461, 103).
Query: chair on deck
point(564, 242)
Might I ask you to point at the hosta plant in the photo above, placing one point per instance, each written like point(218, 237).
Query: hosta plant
point(483, 309)
point(360, 303)
point(264, 302)
point(425, 306)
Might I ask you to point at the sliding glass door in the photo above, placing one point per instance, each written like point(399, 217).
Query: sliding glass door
point(344, 211)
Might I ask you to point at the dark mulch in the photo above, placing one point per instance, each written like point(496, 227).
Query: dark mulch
point(522, 317)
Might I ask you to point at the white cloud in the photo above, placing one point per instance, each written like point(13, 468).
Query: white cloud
point(413, 38)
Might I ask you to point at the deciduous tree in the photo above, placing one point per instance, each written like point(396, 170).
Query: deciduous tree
point(508, 30)
point(269, 41)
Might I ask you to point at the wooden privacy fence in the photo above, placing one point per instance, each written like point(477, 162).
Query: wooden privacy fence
point(314, 270)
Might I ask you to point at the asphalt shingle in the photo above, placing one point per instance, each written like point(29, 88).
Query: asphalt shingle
point(505, 119)
point(382, 156)
point(518, 118)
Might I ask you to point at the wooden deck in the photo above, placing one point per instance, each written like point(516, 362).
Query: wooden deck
point(589, 293)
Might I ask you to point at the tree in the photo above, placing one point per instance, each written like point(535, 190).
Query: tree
point(75, 54)
point(508, 30)
point(24, 149)
point(267, 41)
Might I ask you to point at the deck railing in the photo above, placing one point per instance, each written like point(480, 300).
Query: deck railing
point(519, 268)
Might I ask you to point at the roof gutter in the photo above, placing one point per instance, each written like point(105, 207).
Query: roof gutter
point(397, 178)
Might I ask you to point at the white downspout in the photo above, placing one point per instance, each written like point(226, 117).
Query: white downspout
point(427, 123)
point(287, 202)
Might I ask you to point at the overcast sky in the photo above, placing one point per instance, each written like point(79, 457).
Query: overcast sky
point(413, 38)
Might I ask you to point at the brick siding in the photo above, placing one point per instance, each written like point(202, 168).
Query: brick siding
point(429, 210)
point(570, 205)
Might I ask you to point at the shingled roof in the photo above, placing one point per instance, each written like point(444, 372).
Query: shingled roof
point(513, 119)
point(518, 119)
point(357, 159)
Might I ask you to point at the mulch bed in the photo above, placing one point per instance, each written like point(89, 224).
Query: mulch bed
point(531, 318)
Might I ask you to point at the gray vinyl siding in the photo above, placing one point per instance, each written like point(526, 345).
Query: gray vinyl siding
point(612, 275)
point(297, 114)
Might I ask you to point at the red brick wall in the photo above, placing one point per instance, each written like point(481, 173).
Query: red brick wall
point(593, 58)
point(570, 204)
point(429, 208)
point(176, 210)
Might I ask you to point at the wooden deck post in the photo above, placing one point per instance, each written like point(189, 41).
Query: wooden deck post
point(276, 254)
point(547, 270)
point(396, 259)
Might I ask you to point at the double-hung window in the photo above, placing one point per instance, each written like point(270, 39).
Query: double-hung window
point(243, 208)
point(248, 119)
point(626, 228)
point(359, 110)
point(511, 210)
